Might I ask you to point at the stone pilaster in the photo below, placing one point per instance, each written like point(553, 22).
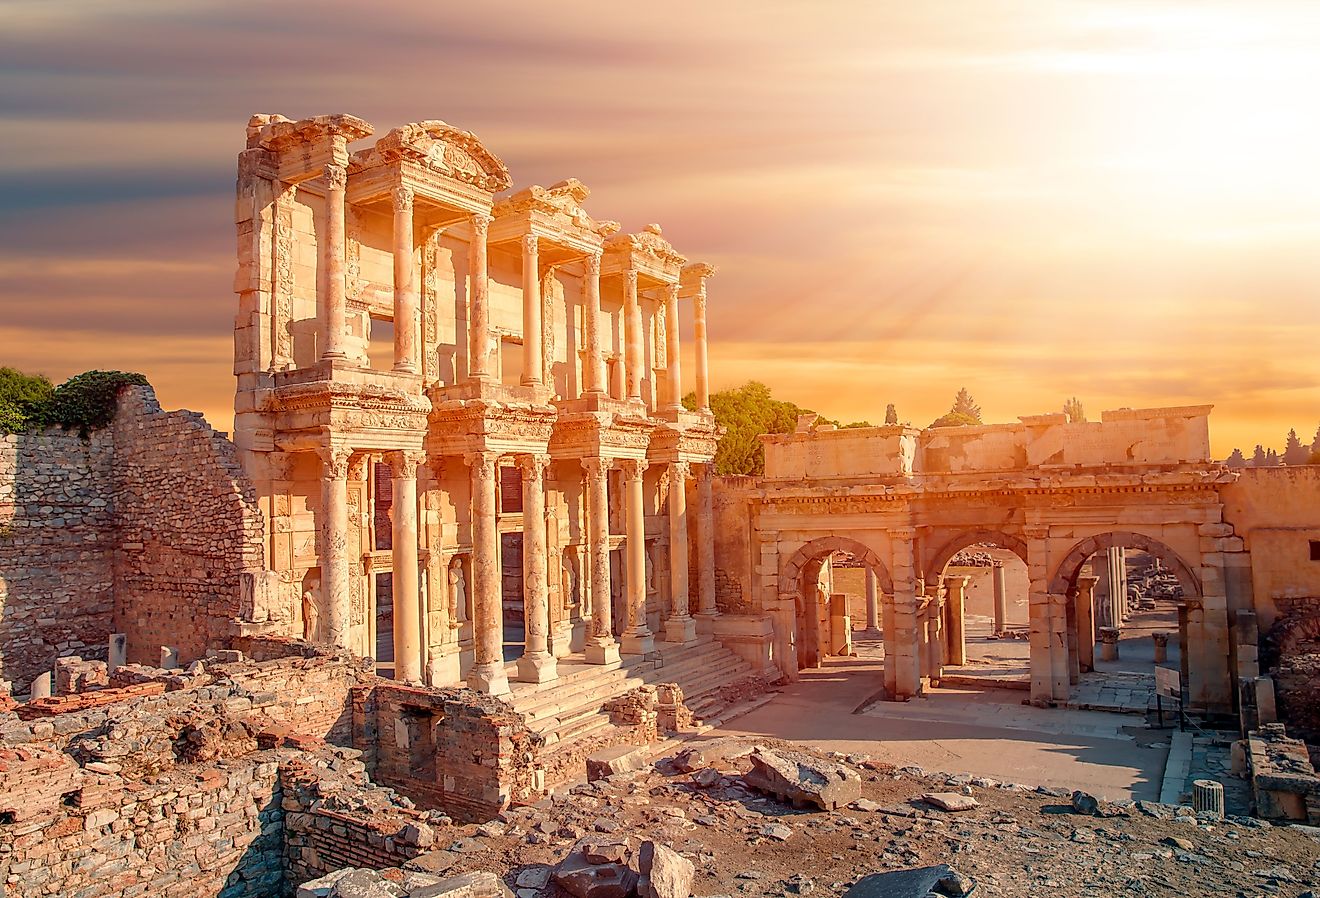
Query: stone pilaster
point(407, 317)
point(901, 636)
point(533, 351)
point(601, 647)
point(479, 301)
point(680, 626)
point(707, 610)
point(333, 549)
point(537, 664)
point(334, 309)
point(487, 673)
point(638, 639)
point(407, 595)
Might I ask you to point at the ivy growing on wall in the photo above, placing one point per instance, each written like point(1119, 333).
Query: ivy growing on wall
point(85, 402)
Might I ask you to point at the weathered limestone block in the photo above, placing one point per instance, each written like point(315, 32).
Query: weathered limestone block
point(803, 779)
point(664, 872)
point(476, 884)
point(618, 759)
point(578, 876)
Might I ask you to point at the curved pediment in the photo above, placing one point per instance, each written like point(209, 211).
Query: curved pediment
point(562, 201)
point(442, 148)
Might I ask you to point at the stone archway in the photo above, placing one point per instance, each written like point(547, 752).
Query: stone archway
point(1015, 544)
point(802, 570)
point(1069, 569)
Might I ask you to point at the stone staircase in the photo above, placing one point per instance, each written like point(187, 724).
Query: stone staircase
point(569, 709)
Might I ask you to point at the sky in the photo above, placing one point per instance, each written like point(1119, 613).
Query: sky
point(1035, 199)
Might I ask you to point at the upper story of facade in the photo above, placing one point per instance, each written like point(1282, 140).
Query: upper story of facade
point(401, 274)
point(1125, 442)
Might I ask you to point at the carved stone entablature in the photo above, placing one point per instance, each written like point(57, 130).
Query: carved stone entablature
point(691, 443)
point(441, 148)
point(558, 207)
point(351, 409)
point(647, 249)
point(585, 435)
point(276, 132)
point(460, 427)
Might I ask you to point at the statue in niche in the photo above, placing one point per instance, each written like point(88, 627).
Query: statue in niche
point(311, 611)
point(457, 592)
point(568, 581)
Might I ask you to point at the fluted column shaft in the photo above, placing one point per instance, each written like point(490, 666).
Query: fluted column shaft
point(333, 550)
point(699, 334)
point(406, 317)
point(334, 309)
point(407, 595)
point(479, 301)
point(487, 674)
point(601, 647)
point(533, 351)
point(673, 347)
point(638, 640)
point(632, 310)
point(680, 627)
point(706, 541)
point(536, 665)
point(593, 364)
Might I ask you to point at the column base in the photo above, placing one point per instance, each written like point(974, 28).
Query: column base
point(602, 650)
point(577, 639)
point(538, 667)
point(561, 640)
point(705, 622)
point(443, 669)
point(489, 678)
point(641, 642)
point(681, 630)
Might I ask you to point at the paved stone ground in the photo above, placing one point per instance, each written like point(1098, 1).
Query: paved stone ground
point(1212, 760)
point(985, 732)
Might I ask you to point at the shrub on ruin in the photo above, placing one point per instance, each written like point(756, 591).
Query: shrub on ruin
point(87, 401)
point(22, 399)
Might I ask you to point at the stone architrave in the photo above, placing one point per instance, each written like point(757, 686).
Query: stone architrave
point(601, 647)
point(638, 639)
point(537, 664)
point(487, 673)
point(680, 627)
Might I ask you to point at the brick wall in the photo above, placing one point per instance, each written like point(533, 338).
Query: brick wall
point(57, 532)
point(189, 528)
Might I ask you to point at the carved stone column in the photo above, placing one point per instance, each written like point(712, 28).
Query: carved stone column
point(407, 596)
point(536, 665)
point(1086, 623)
point(638, 640)
point(707, 610)
point(632, 310)
point(479, 301)
point(593, 364)
point(335, 594)
point(902, 636)
point(1001, 599)
point(487, 674)
point(334, 310)
point(406, 317)
point(699, 332)
point(673, 356)
point(601, 647)
point(954, 615)
point(680, 626)
point(872, 602)
point(533, 351)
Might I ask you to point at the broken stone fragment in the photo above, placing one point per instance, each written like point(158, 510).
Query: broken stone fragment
point(705, 778)
point(437, 861)
point(578, 876)
point(1082, 803)
point(476, 884)
point(917, 882)
point(665, 872)
point(803, 779)
point(619, 759)
point(606, 851)
point(351, 883)
point(950, 801)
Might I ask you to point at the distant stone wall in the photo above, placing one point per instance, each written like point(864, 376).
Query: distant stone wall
point(57, 535)
point(189, 529)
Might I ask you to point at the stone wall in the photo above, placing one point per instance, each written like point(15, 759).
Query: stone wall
point(189, 529)
point(57, 535)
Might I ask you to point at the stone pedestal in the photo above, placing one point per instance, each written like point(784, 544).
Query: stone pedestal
point(1109, 643)
point(1208, 798)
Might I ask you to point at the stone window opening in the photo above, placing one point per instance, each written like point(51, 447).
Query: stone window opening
point(1315, 550)
point(511, 498)
point(420, 725)
point(380, 343)
point(511, 359)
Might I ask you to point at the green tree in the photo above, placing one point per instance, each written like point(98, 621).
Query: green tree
point(1272, 459)
point(891, 415)
point(1258, 457)
point(1073, 409)
point(745, 413)
point(1315, 443)
point(964, 411)
point(23, 397)
point(1236, 459)
point(1294, 453)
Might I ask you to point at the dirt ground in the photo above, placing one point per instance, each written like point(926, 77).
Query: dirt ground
point(1018, 842)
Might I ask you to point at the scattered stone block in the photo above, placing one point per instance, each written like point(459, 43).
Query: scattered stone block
point(802, 779)
point(917, 882)
point(578, 876)
point(664, 872)
point(618, 759)
point(476, 884)
point(950, 801)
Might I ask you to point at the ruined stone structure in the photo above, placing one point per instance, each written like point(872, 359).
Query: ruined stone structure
point(527, 403)
point(904, 502)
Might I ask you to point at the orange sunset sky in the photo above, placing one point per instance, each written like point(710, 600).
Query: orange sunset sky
point(1116, 200)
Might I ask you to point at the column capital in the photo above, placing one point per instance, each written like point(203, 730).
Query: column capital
point(592, 263)
point(404, 463)
point(533, 465)
point(403, 199)
point(1036, 531)
point(596, 468)
point(335, 459)
point(531, 243)
point(680, 469)
point(482, 461)
point(633, 468)
point(630, 281)
point(480, 225)
point(336, 177)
